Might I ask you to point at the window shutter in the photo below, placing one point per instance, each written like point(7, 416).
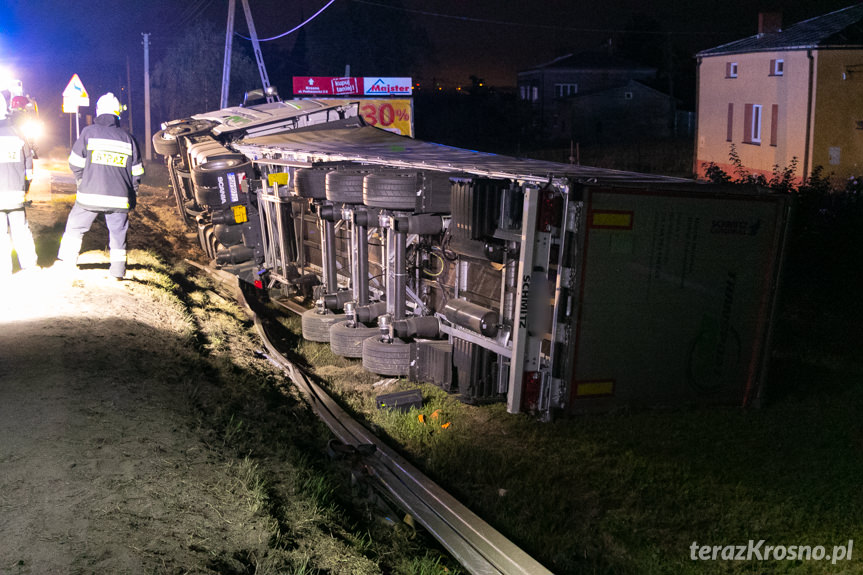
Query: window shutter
point(729, 130)
point(747, 123)
point(774, 124)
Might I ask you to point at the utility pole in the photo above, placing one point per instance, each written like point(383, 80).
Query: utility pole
point(129, 92)
point(148, 155)
point(229, 42)
point(257, 46)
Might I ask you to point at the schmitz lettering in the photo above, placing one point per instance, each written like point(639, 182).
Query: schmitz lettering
point(525, 296)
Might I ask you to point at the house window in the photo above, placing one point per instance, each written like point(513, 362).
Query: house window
point(752, 124)
point(729, 130)
point(777, 67)
point(731, 69)
point(530, 93)
point(774, 125)
point(563, 90)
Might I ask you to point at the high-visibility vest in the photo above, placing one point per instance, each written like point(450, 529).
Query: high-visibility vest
point(107, 165)
point(16, 167)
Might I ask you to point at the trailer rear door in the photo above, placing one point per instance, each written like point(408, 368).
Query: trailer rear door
point(676, 295)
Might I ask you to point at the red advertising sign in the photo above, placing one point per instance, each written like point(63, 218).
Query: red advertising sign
point(327, 86)
point(351, 86)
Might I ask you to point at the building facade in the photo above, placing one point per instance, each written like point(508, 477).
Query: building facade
point(561, 91)
point(785, 97)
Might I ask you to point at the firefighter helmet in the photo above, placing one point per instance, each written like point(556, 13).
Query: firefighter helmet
point(108, 104)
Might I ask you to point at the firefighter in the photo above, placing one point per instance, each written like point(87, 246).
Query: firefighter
point(108, 169)
point(16, 169)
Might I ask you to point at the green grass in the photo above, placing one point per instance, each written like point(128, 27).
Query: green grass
point(623, 492)
point(273, 445)
point(630, 491)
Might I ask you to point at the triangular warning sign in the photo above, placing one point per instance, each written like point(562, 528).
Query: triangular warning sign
point(75, 88)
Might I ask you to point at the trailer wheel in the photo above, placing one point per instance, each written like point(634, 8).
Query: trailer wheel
point(385, 358)
point(207, 175)
point(348, 341)
point(316, 326)
point(166, 143)
point(311, 183)
point(391, 191)
point(345, 186)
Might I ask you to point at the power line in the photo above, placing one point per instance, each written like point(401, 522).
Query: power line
point(190, 13)
point(294, 29)
point(519, 24)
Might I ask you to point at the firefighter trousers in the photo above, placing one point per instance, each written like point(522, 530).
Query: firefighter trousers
point(79, 222)
point(14, 223)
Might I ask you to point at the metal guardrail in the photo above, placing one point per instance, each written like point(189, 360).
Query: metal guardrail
point(480, 548)
point(475, 544)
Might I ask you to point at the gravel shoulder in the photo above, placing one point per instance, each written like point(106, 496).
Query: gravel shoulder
point(136, 433)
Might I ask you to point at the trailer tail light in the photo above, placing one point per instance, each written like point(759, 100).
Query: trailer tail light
point(532, 385)
point(550, 210)
point(259, 284)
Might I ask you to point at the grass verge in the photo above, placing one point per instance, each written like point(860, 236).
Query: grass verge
point(273, 445)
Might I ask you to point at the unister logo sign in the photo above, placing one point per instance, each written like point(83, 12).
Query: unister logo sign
point(387, 86)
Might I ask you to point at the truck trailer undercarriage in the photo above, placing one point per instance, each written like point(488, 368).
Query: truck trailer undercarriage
point(552, 287)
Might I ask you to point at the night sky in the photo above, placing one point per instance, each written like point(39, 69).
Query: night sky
point(46, 41)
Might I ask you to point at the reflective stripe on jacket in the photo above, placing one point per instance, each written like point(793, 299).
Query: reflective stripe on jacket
point(16, 167)
point(107, 165)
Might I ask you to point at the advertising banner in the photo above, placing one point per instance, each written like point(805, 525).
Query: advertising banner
point(392, 114)
point(351, 86)
point(327, 86)
point(387, 86)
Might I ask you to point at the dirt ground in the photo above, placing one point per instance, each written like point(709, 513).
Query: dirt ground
point(100, 470)
point(104, 466)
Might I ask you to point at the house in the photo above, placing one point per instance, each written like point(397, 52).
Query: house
point(631, 111)
point(785, 96)
point(554, 89)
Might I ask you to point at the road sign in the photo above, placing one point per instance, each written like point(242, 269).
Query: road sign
point(75, 95)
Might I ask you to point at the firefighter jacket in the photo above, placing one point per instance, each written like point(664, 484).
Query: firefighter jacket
point(16, 167)
point(107, 166)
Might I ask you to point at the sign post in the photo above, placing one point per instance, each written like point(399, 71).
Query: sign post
point(74, 96)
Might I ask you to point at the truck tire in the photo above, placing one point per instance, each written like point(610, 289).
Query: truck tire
point(347, 341)
point(207, 175)
point(385, 358)
point(311, 183)
point(165, 144)
point(165, 141)
point(345, 186)
point(391, 191)
point(316, 326)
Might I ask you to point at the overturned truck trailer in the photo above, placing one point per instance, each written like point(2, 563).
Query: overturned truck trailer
point(551, 287)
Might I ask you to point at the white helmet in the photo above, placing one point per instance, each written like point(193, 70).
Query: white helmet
point(4, 110)
point(108, 104)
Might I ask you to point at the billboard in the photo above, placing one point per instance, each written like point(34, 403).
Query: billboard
point(391, 114)
point(352, 86)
